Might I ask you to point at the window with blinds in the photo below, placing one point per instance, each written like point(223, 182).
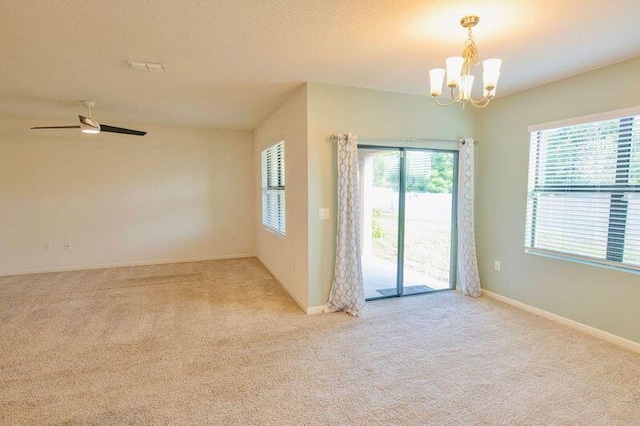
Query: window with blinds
point(584, 191)
point(273, 202)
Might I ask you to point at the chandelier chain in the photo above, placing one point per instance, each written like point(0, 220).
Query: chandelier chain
point(470, 52)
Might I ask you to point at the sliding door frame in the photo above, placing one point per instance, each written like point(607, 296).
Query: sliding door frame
point(453, 264)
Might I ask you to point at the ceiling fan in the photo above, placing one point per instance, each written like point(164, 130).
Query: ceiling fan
point(87, 125)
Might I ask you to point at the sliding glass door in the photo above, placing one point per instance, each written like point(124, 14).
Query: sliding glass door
point(408, 217)
point(380, 207)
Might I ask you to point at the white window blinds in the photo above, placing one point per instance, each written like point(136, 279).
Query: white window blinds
point(273, 201)
point(584, 191)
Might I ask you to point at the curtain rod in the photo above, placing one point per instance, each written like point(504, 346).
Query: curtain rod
point(334, 138)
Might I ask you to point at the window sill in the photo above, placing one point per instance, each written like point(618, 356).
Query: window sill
point(583, 260)
point(274, 232)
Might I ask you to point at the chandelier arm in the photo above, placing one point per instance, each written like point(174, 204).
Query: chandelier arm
point(454, 98)
point(453, 95)
point(481, 103)
point(435, 99)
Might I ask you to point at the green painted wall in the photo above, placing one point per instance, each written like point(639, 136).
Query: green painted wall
point(332, 109)
point(602, 298)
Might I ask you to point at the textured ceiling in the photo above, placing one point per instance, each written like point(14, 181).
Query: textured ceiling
point(230, 63)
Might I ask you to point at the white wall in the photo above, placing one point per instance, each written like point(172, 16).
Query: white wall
point(174, 194)
point(286, 257)
point(370, 113)
point(602, 298)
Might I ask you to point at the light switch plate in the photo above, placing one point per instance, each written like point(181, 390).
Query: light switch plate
point(323, 214)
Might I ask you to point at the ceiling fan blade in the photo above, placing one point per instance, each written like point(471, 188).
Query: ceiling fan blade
point(113, 129)
point(55, 127)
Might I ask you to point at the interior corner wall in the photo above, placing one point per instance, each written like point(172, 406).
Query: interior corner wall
point(176, 194)
point(602, 298)
point(286, 257)
point(369, 113)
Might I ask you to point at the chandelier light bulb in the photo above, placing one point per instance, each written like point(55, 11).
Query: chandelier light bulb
point(491, 68)
point(436, 78)
point(466, 86)
point(491, 65)
point(490, 80)
point(454, 70)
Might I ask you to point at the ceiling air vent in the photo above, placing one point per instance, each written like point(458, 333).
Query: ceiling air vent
point(145, 66)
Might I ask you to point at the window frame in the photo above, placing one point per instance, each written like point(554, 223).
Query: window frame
point(273, 186)
point(618, 203)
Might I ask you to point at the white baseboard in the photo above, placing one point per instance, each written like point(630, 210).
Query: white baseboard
point(284, 285)
point(122, 264)
point(314, 310)
point(592, 331)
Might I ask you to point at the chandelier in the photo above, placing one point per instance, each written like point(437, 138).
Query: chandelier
point(458, 72)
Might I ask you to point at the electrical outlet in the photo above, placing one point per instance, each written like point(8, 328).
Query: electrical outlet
point(496, 265)
point(46, 247)
point(67, 246)
point(323, 213)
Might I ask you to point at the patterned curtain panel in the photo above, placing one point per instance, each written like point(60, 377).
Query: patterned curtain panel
point(468, 277)
point(347, 292)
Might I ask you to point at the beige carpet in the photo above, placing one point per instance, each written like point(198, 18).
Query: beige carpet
point(221, 343)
